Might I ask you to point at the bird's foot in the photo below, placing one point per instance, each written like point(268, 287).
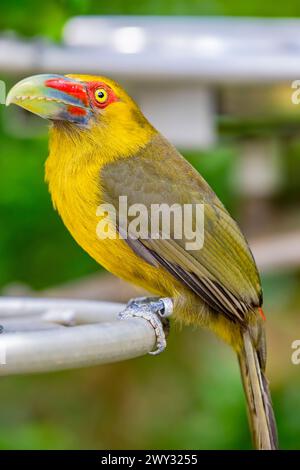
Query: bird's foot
point(156, 311)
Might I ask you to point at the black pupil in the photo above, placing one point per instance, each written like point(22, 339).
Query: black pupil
point(100, 94)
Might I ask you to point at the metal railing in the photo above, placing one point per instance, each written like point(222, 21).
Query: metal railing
point(40, 335)
point(213, 50)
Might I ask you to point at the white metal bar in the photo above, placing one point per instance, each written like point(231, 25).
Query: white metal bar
point(34, 341)
point(78, 346)
point(81, 309)
point(214, 50)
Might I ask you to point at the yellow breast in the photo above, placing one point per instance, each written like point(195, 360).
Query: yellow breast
point(76, 194)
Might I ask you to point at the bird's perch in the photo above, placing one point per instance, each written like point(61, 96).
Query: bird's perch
point(35, 337)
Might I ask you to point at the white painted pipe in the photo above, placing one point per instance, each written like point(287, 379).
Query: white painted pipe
point(32, 342)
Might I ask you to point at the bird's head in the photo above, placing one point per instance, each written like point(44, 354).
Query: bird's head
point(84, 105)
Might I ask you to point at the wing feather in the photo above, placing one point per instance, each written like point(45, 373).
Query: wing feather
point(223, 273)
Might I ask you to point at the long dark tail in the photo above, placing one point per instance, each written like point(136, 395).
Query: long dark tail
point(260, 410)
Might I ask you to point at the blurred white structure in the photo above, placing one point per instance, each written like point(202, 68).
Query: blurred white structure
point(171, 65)
point(213, 50)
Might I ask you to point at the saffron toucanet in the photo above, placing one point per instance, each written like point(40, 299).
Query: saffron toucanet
point(102, 147)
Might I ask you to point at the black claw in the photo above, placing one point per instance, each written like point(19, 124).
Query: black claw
point(166, 326)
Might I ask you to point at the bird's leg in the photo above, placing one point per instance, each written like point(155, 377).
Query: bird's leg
point(156, 311)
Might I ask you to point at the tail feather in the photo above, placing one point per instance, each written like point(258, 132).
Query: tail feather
point(260, 410)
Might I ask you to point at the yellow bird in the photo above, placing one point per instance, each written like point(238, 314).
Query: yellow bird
point(102, 148)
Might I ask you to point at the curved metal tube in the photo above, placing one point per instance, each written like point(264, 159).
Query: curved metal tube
point(35, 340)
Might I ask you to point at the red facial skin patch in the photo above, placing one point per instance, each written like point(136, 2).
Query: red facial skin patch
point(77, 90)
point(83, 92)
point(76, 111)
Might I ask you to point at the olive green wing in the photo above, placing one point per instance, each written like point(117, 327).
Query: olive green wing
point(223, 272)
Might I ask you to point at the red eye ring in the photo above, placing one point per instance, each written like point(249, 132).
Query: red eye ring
point(101, 95)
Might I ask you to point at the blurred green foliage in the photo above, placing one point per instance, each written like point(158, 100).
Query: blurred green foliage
point(191, 397)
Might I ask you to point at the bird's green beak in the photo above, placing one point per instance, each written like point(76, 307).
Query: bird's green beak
point(55, 97)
